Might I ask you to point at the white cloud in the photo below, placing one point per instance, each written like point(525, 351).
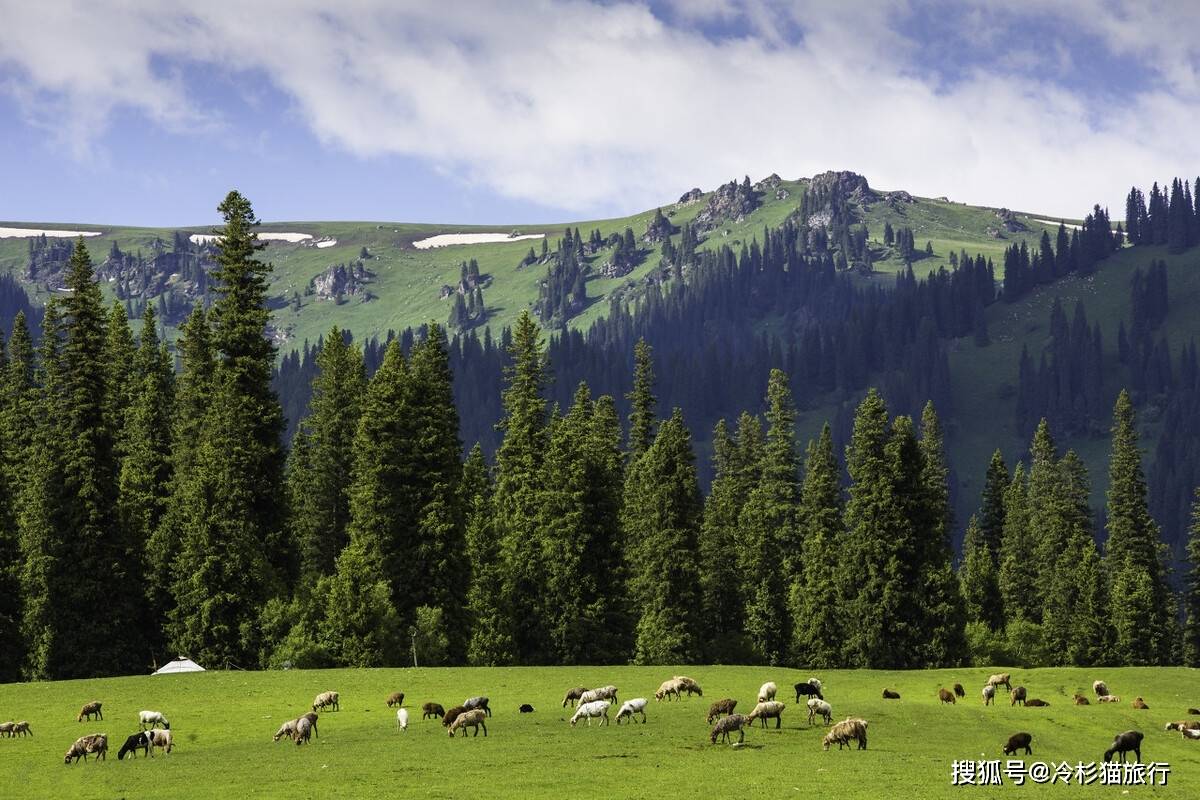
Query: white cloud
point(606, 107)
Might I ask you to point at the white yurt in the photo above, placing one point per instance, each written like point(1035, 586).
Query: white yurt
point(180, 664)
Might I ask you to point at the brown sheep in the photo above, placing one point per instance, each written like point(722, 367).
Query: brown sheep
point(727, 725)
point(720, 708)
point(846, 731)
point(946, 696)
point(1139, 703)
point(451, 715)
point(1018, 741)
point(1035, 703)
point(311, 716)
point(95, 744)
point(1018, 696)
point(1123, 743)
point(888, 694)
point(432, 710)
point(303, 731)
point(688, 685)
point(475, 718)
point(89, 710)
point(326, 700)
point(395, 699)
point(959, 691)
point(1080, 700)
point(573, 694)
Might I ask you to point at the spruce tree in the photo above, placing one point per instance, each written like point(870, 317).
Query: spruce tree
point(518, 478)
point(991, 508)
point(12, 650)
point(120, 382)
point(1134, 544)
point(720, 578)
point(234, 551)
point(1018, 574)
point(770, 551)
point(661, 520)
point(1045, 489)
point(322, 457)
point(18, 410)
point(491, 622)
point(980, 580)
point(1191, 593)
point(360, 627)
point(818, 626)
point(641, 401)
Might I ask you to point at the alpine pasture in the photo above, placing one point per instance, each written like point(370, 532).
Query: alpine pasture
point(222, 723)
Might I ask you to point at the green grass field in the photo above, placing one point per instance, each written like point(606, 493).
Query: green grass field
point(223, 721)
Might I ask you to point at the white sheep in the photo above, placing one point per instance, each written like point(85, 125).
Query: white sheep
point(767, 691)
point(989, 694)
point(595, 708)
point(153, 719)
point(816, 684)
point(161, 739)
point(326, 700)
point(819, 707)
point(402, 718)
point(287, 729)
point(608, 693)
point(631, 707)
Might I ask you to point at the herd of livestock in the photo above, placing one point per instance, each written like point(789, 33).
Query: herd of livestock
point(594, 704)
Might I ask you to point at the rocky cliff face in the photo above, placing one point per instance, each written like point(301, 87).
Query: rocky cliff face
point(731, 202)
point(341, 280)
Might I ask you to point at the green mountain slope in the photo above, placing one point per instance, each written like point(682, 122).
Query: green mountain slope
point(406, 284)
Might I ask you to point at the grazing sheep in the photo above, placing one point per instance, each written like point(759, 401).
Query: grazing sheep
point(721, 707)
point(1035, 703)
point(474, 718)
point(162, 739)
point(888, 694)
point(1194, 710)
point(525, 708)
point(688, 685)
point(451, 715)
point(959, 691)
point(1190, 733)
point(989, 694)
point(1001, 679)
point(807, 689)
point(395, 699)
point(287, 729)
point(608, 693)
point(472, 703)
point(595, 708)
point(89, 710)
point(630, 707)
point(303, 731)
point(727, 725)
point(1080, 700)
point(1018, 695)
point(1018, 741)
point(1110, 698)
point(432, 710)
point(1139, 703)
point(667, 690)
point(153, 719)
point(946, 696)
point(819, 707)
point(1123, 743)
point(768, 710)
point(572, 695)
point(767, 692)
point(1185, 725)
point(402, 718)
point(21, 729)
point(326, 700)
point(135, 741)
point(95, 744)
point(311, 716)
point(846, 731)
point(1100, 688)
point(6, 729)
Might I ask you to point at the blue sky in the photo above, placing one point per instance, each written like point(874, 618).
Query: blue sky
point(140, 112)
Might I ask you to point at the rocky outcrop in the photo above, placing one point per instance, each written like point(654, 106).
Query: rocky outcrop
point(898, 199)
point(848, 184)
point(658, 229)
point(768, 183)
point(731, 202)
point(691, 196)
point(341, 280)
point(1009, 221)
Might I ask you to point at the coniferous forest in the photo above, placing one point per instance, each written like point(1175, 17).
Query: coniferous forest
point(537, 498)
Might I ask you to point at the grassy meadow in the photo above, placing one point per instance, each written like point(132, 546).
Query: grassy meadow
point(223, 721)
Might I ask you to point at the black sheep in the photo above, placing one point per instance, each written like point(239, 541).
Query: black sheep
point(1123, 743)
point(526, 708)
point(806, 688)
point(1018, 741)
point(131, 745)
